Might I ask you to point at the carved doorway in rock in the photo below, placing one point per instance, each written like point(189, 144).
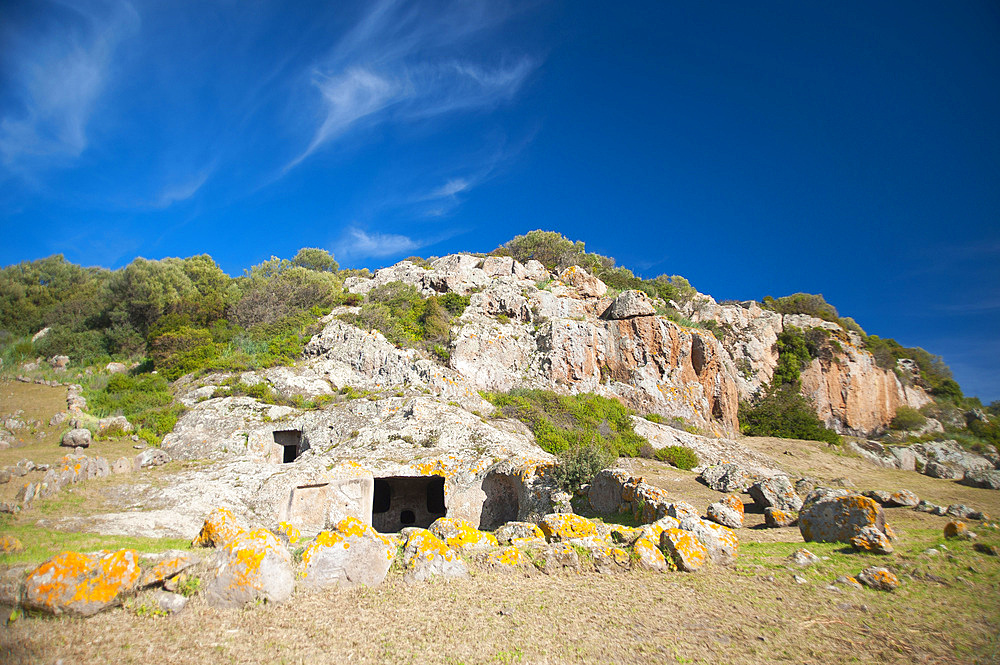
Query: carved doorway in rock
point(402, 501)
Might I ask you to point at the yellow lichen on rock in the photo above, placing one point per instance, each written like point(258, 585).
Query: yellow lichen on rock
point(684, 548)
point(76, 583)
point(164, 570)
point(558, 527)
point(507, 556)
point(290, 532)
point(220, 528)
point(458, 534)
point(10, 544)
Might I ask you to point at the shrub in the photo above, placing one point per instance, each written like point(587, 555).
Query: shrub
point(803, 303)
point(784, 412)
point(562, 422)
point(578, 465)
point(144, 399)
point(680, 456)
point(907, 418)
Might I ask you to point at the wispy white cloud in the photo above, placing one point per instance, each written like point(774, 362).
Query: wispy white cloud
point(57, 73)
point(450, 188)
point(398, 63)
point(181, 191)
point(359, 244)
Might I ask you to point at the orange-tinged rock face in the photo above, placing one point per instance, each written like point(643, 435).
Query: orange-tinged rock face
point(10, 544)
point(220, 528)
point(164, 570)
point(75, 583)
point(956, 529)
point(685, 550)
point(735, 502)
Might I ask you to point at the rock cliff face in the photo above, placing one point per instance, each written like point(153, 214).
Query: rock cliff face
point(852, 394)
point(526, 328)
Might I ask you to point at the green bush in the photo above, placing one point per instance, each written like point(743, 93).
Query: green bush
point(577, 466)
point(563, 422)
point(907, 418)
point(784, 412)
point(144, 399)
point(803, 303)
point(680, 456)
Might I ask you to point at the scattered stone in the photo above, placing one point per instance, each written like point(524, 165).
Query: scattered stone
point(59, 362)
point(959, 510)
point(519, 533)
point(829, 517)
point(880, 579)
point(903, 498)
point(803, 557)
point(681, 510)
point(776, 492)
point(558, 527)
point(870, 539)
point(984, 478)
point(58, 418)
point(426, 556)
point(167, 564)
point(150, 457)
point(848, 580)
point(727, 478)
point(955, 529)
point(254, 566)
point(10, 544)
point(77, 438)
point(928, 507)
point(171, 603)
point(79, 584)
point(683, 547)
point(4, 476)
point(775, 518)
point(984, 548)
point(352, 554)
point(220, 528)
point(116, 368)
point(122, 465)
point(559, 557)
point(879, 495)
point(648, 555)
point(727, 512)
point(799, 579)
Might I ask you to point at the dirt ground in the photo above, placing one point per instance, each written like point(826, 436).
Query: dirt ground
point(753, 611)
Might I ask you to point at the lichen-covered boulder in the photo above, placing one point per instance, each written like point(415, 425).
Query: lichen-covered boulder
point(684, 549)
point(352, 554)
point(505, 558)
point(776, 492)
point(220, 527)
point(727, 512)
point(682, 509)
point(558, 557)
point(252, 567)
point(870, 539)
point(165, 566)
point(426, 556)
point(647, 555)
point(956, 529)
point(720, 541)
point(559, 527)
point(520, 534)
point(832, 518)
point(880, 579)
point(10, 544)
point(458, 534)
point(79, 584)
point(587, 286)
point(727, 478)
point(609, 559)
point(903, 498)
point(984, 478)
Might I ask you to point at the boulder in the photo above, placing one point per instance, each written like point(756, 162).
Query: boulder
point(80, 584)
point(519, 533)
point(606, 490)
point(506, 558)
point(648, 555)
point(878, 495)
point(682, 509)
point(903, 498)
point(870, 539)
point(928, 507)
point(959, 510)
point(832, 517)
point(720, 541)
point(59, 362)
point(558, 527)
point(114, 426)
point(352, 554)
point(803, 557)
point(10, 544)
point(150, 457)
point(984, 478)
point(252, 567)
point(727, 478)
point(880, 579)
point(956, 529)
point(168, 602)
point(426, 556)
point(776, 492)
point(165, 566)
point(728, 512)
point(684, 549)
point(116, 368)
point(558, 558)
point(942, 470)
point(460, 535)
point(629, 304)
point(77, 438)
point(122, 465)
point(220, 528)
point(586, 285)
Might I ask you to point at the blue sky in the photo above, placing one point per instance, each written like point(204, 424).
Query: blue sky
point(850, 149)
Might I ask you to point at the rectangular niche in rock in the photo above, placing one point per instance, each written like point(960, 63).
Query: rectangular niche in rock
point(290, 446)
point(402, 501)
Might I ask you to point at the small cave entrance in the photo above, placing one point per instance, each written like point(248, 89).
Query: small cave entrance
point(290, 444)
point(501, 504)
point(402, 501)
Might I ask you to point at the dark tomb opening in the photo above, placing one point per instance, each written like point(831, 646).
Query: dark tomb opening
point(501, 504)
point(291, 444)
point(402, 501)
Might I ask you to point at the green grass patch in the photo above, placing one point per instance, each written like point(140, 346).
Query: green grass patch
point(144, 399)
point(41, 544)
